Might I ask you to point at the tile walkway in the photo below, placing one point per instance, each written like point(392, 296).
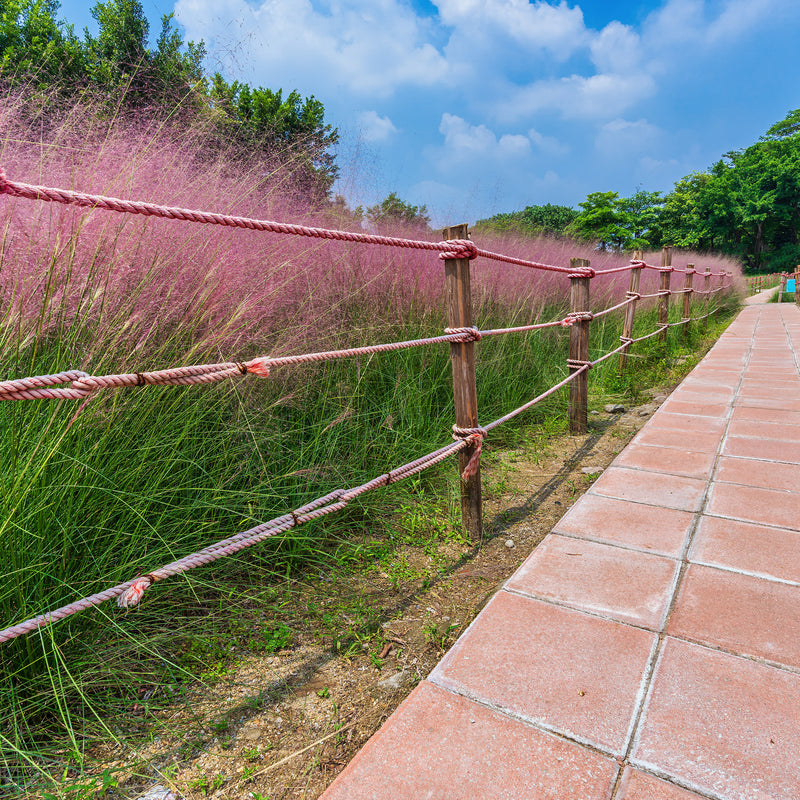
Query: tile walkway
point(649, 648)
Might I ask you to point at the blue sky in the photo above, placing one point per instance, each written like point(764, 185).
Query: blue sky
point(473, 107)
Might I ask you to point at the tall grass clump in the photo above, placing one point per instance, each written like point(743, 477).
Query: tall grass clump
point(91, 495)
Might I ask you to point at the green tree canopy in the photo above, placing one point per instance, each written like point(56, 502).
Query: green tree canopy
point(393, 210)
point(531, 221)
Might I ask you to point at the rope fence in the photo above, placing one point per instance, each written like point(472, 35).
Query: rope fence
point(457, 251)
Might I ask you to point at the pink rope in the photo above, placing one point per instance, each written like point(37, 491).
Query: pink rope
point(46, 386)
point(51, 387)
point(129, 594)
point(455, 248)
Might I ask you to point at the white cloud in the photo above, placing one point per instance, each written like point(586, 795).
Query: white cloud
point(463, 141)
point(375, 128)
point(623, 138)
point(537, 25)
point(616, 49)
point(366, 48)
point(548, 145)
point(598, 96)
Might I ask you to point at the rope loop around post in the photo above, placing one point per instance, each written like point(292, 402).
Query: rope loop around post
point(633, 295)
point(473, 333)
point(577, 316)
point(578, 364)
point(460, 248)
point(582, 272)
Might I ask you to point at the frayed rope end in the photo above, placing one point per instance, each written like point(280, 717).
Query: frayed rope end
point(474, 462)
point(259, 366)
point(133, 594)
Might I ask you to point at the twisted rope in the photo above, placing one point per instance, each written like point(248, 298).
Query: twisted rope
point(451, 249)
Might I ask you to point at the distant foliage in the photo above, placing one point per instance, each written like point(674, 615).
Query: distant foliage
point(548, 219)
point(393, 211)
point(46, 59)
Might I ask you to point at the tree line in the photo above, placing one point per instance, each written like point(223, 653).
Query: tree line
point(747, 205)
point(43, 55)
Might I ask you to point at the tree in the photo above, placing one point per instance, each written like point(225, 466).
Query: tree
point(34, 47)
point(548, 219)
point(602, 220)
point(393, 210)
point(643, 212)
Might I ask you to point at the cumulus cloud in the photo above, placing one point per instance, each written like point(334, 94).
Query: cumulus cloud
point(621, 137)
point(369, 48)
point(375, 128)
point(597, 96)
point(557, 29)
point(463, 141)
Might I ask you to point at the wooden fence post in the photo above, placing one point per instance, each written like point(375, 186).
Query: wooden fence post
point(579, 349)
point(706, 289)
point(688, 291)
point(782, 287)
point(458, 298)
point(663, 300)
point(630, 310)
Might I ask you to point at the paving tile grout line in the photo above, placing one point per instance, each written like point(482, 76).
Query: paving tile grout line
point(642, 701)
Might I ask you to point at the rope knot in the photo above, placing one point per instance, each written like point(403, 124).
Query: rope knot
point(666, 269)
point(258, 366)
point(476, 436)
point(460, 248)
point(576, 316)
point(630, 295)
point(582, 272)
point(575, 363)
point(133, 594)
point(626, 340)
point(472, 334)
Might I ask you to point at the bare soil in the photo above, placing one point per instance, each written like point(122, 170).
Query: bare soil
point(283, 725)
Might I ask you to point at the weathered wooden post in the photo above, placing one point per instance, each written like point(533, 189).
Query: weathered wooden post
point(663, 300)
point(688, 290)
point(458, 298)
point(630, 310)
point(579, 348)
point(782, 287)
point(707, 290)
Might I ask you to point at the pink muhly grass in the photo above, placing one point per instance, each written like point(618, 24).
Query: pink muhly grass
point(129, 284)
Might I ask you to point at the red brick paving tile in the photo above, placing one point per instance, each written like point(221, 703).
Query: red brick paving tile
point(772, 552)
point(686, 422)
point(440, 745)
point(637, 785)
point(769, 402)
point(766, 415)
point(701, 409)
point(766, 474)
point(752, 504)
point(568, 671)
point(722, 724)
point(767, 449)
point(661, 437)
point(765, 430)
point(653, 488)
point(748, 615)
point(622, 584)
point(666, 459)
point(659, 530)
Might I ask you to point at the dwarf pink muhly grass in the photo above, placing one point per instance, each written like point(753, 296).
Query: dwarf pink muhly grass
point(134, 283)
